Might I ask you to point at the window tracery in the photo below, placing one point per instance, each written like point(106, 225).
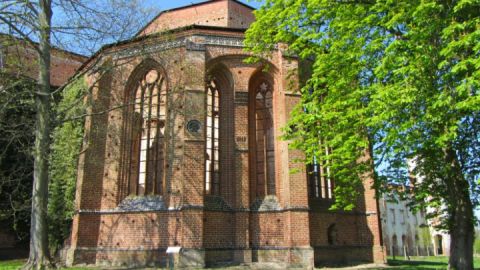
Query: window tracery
point(212, 164)
point(265, 140)
point(320, 179)
point(146, 135)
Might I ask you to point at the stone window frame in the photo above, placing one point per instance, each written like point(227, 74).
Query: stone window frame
point(219, 76)
point(155, 185)
point(212, 132)
point(262, 81)
point(321, 182)
point(264, 118)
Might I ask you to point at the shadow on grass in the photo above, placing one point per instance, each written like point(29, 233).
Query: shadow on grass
point(417, 264)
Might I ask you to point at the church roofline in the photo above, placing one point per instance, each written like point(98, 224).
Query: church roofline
point(78, 56)
point(158, 34)
point(184, 7)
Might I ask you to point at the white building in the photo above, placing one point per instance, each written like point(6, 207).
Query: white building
point(405, 231)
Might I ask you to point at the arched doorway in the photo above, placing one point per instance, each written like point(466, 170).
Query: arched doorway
point(394, 245)
point(439, 244)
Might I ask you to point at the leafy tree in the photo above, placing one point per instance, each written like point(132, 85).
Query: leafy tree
point(396, 79)
point(425, 237)
point(66, 144)
point(92, 22)
point(16, 163)
point(477, 242)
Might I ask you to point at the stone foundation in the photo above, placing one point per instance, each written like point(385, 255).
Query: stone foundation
point(301, 258)
point(347, 255)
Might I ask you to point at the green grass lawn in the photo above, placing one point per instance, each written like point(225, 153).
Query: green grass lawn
point(415, 263)
point(11, 265)
point(16, 264)
point(420, 263)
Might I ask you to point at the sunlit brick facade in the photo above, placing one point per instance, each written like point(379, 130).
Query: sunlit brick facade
point(182, 149)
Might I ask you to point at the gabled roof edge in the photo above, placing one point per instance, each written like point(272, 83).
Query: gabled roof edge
point(188, 6)
point(140, 38)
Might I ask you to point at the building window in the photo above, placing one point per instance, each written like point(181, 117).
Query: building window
point(212, 164)
point(392, 211)
point(402, 216)
point(145, 124)
point(314, 179)
point(332, 235)
point(264, 139)
point(320, 180)
point(439, 244)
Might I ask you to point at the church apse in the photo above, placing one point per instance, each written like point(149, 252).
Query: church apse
point(198, 161)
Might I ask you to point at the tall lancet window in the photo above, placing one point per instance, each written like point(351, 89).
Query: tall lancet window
point(212, 164)
point(314, 179)
point(320, 179)
point(146, 122)
point(265, 154)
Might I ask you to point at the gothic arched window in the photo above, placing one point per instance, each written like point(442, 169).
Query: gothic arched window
point(264, 141)
point(145, 124)
point(212, 164)
point(319, 178)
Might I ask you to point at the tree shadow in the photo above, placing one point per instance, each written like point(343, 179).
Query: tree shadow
point(416, 264)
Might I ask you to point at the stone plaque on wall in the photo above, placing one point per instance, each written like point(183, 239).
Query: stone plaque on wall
point(241, 142)
point(241, 98)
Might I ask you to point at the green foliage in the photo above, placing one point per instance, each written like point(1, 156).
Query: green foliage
point(17, 264)
point(476, 244)
point(399, 77)
point(425, 236)
point(423, 263)
point(16, 162)
point(66, 145)
point(396, 79)
point(334, 111)
point(11, 264)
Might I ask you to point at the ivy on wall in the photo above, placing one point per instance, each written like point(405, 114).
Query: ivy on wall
point(66, 146)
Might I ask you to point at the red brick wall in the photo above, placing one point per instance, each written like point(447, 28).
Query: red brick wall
point(219, 229)
point(267, 229)
point(283, 235)
point(20, 58)
point(223, 13)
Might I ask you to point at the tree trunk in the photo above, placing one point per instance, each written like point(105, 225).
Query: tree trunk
point(39, 253)
point(461, 226)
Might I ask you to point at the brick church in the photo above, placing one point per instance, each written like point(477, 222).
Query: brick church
point(182, 149)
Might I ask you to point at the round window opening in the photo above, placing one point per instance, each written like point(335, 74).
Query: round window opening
point(194, 126)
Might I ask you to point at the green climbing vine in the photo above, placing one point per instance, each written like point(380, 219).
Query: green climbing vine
point(66, 146)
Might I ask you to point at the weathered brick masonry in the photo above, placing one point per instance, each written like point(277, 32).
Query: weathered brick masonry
point(182, 150)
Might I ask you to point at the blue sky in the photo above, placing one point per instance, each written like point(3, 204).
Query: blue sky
point(87, 42)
